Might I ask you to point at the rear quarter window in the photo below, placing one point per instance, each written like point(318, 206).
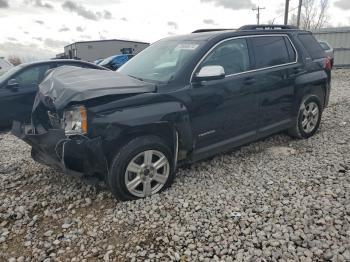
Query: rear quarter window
point(324, 46)
point(271, 51)
point(312, 46)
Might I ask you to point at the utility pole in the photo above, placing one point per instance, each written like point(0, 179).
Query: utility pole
point(258, 14)
point(286, 11)
point(299, 12)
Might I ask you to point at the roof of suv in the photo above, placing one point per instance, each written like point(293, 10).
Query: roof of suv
point(207, 34)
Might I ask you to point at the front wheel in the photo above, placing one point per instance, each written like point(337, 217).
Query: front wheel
point(309, 118)
point(143, 167)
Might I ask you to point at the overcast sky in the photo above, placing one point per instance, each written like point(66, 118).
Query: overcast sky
point(40, 28)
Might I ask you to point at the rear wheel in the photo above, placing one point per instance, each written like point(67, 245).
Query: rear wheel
point(143, 167)
point(309, 118)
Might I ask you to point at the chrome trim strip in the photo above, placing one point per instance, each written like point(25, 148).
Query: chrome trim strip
point(253, 70)
point(274, 125)
point(227, 142)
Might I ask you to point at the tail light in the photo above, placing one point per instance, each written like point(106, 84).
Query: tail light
point(328, 63)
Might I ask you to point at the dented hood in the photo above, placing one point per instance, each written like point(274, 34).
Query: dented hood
point(68, 84)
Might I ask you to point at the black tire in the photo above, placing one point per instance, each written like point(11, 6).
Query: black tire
point(116, 177)
point(298, 130)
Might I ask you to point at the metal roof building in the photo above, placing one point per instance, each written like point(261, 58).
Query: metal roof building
point(339, 39)
point(93, 50)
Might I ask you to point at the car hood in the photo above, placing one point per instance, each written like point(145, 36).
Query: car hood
point(68, 84)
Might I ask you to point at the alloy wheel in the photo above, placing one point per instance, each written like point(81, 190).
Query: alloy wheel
point(147, 173)
point(310, 117)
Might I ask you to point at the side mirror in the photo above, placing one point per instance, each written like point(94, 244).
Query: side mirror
point(213, 72)
point(12, 84)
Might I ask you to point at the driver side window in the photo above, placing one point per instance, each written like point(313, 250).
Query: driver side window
point(232, 55)
point(32, 76)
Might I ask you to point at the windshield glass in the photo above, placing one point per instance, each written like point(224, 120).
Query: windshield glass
point(161, 61)
point(9, 73)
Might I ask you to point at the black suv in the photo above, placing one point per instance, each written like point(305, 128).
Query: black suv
point(182, 99)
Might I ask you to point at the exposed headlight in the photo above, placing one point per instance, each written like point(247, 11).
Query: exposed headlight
point(75, 120)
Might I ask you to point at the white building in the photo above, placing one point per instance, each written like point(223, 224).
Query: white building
point(93, 50)
point(339, 39)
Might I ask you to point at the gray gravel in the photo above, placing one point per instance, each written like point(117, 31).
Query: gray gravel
point(275, 200)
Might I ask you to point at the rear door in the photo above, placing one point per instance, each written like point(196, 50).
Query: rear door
point(275, 65)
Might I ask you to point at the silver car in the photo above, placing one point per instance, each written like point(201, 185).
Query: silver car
point(328, 49)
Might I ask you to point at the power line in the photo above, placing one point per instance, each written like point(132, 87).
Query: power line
point(283, 14)
point(258, 14)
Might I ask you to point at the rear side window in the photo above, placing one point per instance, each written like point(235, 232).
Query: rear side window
point(270, 51)
point(311, 45)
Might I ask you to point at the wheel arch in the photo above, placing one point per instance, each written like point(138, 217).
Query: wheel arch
point(166, 119)
point(174, 136)
point(314, 83)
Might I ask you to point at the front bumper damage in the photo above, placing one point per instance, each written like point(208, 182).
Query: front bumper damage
point(75, 155)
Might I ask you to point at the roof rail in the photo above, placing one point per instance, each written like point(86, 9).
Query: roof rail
point(268, 27)
point(210, 30)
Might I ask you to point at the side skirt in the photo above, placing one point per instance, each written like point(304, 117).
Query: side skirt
point(231, 143)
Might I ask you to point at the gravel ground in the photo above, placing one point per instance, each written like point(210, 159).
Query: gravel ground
point(274, 200)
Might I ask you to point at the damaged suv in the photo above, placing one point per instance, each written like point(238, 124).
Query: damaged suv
point(182, 99)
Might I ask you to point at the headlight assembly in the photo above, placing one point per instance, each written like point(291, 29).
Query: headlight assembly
point(75, 120)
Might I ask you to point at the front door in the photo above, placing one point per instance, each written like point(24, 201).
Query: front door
point(16, 102)
point(225, 111)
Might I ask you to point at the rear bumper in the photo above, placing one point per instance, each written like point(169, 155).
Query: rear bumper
point(77, 156)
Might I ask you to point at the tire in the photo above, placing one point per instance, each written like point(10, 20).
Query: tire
point(308, 119)
point(142, 167)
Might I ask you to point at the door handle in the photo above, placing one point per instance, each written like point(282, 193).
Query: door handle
point(297, 70)
point(249, 80)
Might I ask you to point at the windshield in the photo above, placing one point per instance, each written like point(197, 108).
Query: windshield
point(161, 61)
point(10, 72)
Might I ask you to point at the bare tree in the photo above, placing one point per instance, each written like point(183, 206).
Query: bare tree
point(313, 14)
point(15, 60)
